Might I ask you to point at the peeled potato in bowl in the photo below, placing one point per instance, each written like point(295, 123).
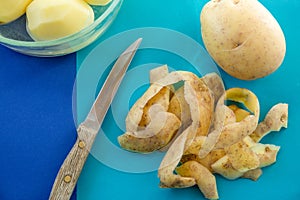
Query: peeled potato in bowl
point(10, 10)
point(242, 37)
point(54, 19)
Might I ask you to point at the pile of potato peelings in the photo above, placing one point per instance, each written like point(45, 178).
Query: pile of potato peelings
point(200, 132)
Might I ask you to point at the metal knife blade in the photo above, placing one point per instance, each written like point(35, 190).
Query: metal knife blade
point(99, 109)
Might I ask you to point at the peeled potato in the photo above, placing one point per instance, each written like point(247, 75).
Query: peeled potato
point(243, 37)
point(49, 20)
point(12, 9)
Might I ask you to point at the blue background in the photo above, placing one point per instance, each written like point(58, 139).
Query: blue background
point(37, 128)
point(36, 123)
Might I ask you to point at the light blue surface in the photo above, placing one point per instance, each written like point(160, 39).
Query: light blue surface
point(279, 181)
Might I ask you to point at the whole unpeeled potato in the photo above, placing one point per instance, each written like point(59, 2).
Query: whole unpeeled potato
point(243, 37)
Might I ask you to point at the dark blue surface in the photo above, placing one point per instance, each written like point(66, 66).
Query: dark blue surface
point(36, 122)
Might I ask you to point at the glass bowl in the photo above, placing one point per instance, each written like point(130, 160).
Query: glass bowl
point(14, 36)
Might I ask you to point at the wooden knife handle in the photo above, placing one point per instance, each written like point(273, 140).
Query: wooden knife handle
point(71, 168)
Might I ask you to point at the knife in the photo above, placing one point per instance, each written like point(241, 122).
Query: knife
point(87, 131)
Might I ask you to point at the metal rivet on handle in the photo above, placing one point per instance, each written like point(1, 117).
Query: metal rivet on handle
point(67, 178)
point(81, 144)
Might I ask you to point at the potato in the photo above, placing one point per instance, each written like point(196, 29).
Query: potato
point(242, 37)
point(49, 20)
point(10, 10)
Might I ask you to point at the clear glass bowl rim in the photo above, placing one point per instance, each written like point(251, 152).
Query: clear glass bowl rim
point(66, 39)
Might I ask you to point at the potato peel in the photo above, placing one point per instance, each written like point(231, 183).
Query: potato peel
point(202, 135)
point(225, 133)
point(136, 112)
point(241, 157)
point(158, 73)
point(276, 118)
point(215, 83)
point(221, 117)
point(253, 174)
point(238, 112)
point(225, 168)
point(207, 161)
point(196, 145)
point(205, 180)
point(267, 153)
point(180, 107)
point(161, 98)
point(197, 103)
point(235, 132)
point(171, 160)
point(153, 137)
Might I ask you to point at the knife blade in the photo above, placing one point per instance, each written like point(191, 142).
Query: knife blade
point(87, 131)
